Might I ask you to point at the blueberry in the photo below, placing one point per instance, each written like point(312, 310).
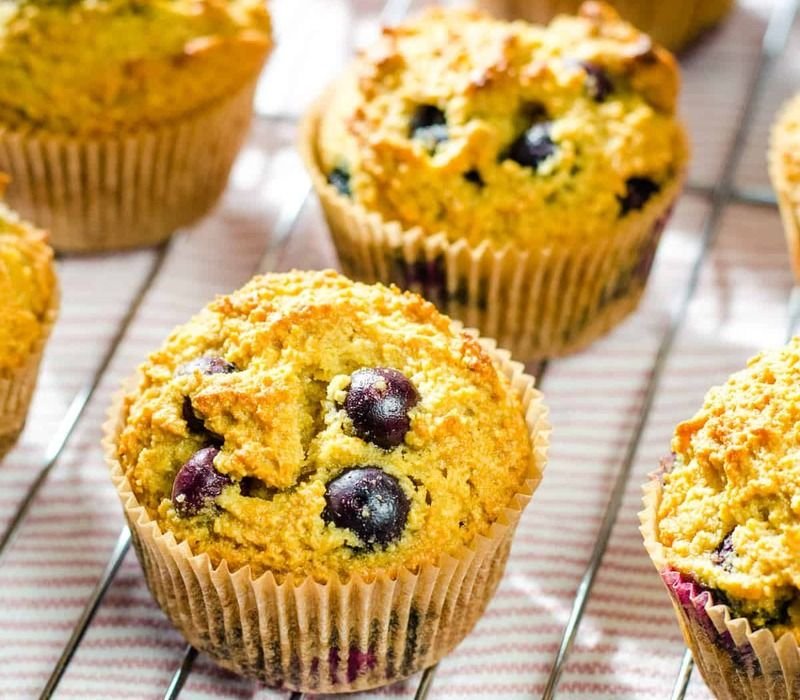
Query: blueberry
point(197, 483)
point(429, 125)
point(378, 402)
point(340, 179)
point(723, 554)
point(598, 84)
point(208, 364)
point(196, 424)
point(534, 112)
point(193, 421)
point(369, 502)
point(474, 176)
point(638, 191)
point(533, 146)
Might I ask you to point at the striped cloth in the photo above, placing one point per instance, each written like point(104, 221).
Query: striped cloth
point(629, 645)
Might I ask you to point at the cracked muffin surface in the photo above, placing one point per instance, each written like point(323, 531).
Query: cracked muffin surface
point(99, 66)
point(27, 288)
point(483, 129)
point(310, 425)
point(729, 513)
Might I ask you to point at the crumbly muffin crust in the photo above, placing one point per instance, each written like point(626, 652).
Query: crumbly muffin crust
point(729, 514)
point(100, 66)
point(27, 286)
point(429, 127)
point(291, 344)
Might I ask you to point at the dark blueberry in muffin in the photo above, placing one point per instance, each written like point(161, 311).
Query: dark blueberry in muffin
point(207, 364)
point(378, 402)
point(368, 502)
point(598, 83)
point(533, 146)
point(638, 191)
point(197, 483)
point(196, 424)
point(723, 554)
point(340, 179)
point(429, 125)
point(193, 421)
point(534, 112)
point(474, 176)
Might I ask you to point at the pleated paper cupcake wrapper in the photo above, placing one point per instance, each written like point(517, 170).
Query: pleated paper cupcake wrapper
point(537, 302)
point(737, 662)
point(333, 637)
point(17, 385)
point(128, 191)
point(673, 24)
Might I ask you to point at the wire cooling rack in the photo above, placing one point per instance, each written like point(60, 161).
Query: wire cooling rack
point(739, 86)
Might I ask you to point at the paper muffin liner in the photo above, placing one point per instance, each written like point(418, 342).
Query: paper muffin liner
point(788, 195)
point(125, 191)
point(737, 662)
point(673, 24)
point(336, 636)
point(538, 302)
point(18, 384)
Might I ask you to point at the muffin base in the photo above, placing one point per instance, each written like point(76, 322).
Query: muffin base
point(17, 385)
point(538, 302)
point(128, 191)
point(736, 662)
point(339, 636)
point(673, 24)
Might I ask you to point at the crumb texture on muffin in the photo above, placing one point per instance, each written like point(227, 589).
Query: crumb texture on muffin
point(729, 513)
point(27, 286)
point(346, 428)
point(94, 67)
point(484, 129)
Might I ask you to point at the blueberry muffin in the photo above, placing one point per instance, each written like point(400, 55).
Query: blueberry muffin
point(523, 188)
point(721, 523)
point(28, 307)
point(119, 119)
point(784, 170)
point(673, 24)
point(309, 441)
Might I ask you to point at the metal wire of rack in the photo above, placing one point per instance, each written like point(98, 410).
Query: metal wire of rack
point(719, 196)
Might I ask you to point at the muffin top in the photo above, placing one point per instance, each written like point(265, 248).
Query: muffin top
point(310, 425)
point(478, 128)
point(785, 150)
point(27, 286)
point(730, 507)
point(95, 67)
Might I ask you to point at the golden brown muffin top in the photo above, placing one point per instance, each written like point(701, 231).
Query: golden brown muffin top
point(310, 425)
point(478, 128)
point(97, 67)
point(27, 288)
point(730, 507)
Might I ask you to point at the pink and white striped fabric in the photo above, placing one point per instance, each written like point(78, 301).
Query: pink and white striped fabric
point(628, 645)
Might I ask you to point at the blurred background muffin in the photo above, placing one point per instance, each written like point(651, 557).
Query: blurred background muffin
point(519, 176)
point(120, 119)
point(674, 24)
point(784, 170)
point(340, 457)
point(722, 525)
point(28, 309)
